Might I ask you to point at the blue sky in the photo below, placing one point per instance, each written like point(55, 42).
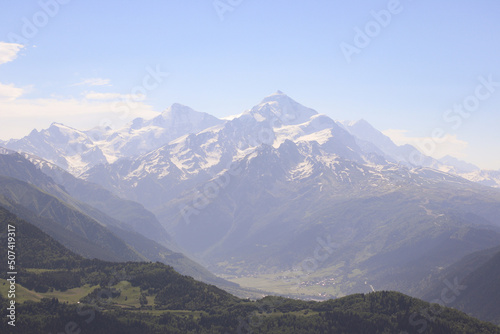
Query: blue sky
point(80, 59)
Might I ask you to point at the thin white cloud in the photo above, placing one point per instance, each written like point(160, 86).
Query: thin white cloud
point(446, 144)
point(103, 96)
point(93, 82)
point(113, 96)
point(9, 51)
point(10, 92)
point(21, 116)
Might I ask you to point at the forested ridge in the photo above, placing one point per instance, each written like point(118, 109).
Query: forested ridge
point(136, 297)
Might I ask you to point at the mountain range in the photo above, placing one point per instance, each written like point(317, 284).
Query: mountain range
point(375, 141)
point(279, 197)
point(79, 150)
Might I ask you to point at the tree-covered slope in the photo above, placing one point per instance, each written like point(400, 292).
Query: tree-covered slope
point(375, 313)
point(33, 247)
point(171, 303)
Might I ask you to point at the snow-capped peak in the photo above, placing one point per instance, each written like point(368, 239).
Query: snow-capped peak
point(361, 124)
point(178, 115)
point(460, 166)
point(280, 107)
point(58, 128)
point(177, 108)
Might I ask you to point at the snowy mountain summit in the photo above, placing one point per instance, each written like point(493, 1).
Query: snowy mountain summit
point(282, 110)
point(197, 141)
